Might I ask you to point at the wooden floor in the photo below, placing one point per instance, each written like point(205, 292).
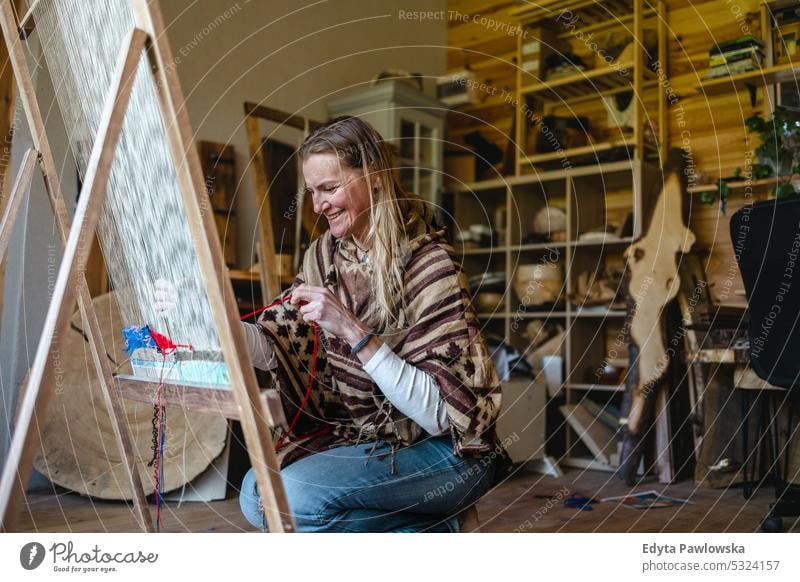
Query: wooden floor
point(525, 503)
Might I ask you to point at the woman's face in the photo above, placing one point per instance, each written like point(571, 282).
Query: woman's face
point(339, 193)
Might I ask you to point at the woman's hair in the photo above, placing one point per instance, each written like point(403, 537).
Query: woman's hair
point(393, 212)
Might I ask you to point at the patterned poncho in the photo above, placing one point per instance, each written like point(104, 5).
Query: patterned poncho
point(437, 332)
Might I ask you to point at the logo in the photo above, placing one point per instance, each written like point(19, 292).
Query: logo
point(31, 555)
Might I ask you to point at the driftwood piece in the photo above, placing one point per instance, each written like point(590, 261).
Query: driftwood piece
point(77, 445)
point(654, 282)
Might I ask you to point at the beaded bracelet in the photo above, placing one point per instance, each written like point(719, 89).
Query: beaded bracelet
point(360, 345)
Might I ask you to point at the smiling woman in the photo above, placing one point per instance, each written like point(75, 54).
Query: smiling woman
point(401, 371)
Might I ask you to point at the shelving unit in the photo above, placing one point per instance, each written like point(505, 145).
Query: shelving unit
point(770, 74)
point(590, 196)
point(583, 180)
point(491, 56)
point(561, 26)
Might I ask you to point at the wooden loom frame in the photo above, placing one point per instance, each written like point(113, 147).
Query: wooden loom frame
point(270, 282)
point(147, 36)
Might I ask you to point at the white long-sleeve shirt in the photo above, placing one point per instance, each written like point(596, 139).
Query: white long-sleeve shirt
point(412, 391)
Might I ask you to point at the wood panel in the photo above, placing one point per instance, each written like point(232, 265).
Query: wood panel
point(7, 102)
point(515, 505)
point(711, 128)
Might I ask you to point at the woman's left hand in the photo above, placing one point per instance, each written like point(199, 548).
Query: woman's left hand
point(320, 306)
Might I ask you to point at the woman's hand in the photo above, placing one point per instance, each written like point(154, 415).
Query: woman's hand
point(320, 306)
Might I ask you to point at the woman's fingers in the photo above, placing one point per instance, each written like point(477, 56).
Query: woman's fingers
point(307, 293)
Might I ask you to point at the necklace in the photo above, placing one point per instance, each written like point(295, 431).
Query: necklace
point(364, 252)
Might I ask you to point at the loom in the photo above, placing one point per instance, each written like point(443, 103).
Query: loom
point(143, 193)
point(142, 229)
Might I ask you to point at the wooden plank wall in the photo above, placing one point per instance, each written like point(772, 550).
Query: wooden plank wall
point(711, 128)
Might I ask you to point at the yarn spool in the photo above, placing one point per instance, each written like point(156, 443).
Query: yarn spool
point(78, 445)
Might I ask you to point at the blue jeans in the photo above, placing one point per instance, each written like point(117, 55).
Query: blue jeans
point(343, 490)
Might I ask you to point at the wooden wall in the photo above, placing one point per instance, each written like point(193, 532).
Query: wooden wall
point(711, 128)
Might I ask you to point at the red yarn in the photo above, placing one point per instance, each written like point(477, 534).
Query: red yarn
point(311, 379)
point(165, 344)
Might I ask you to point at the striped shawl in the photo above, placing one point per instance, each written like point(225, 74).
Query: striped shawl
point(438, 333)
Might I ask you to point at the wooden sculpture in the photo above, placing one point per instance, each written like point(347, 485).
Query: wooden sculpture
point(654, 282)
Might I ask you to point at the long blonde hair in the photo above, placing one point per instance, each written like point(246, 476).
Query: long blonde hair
point(393, 212)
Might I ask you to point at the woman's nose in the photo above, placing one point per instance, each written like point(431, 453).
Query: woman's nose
point(320, 205)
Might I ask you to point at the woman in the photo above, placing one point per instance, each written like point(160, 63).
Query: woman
point(398, 433)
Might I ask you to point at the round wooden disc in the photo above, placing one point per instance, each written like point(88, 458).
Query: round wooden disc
point(79, 450)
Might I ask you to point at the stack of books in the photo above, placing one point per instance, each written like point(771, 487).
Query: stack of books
point(734, 57)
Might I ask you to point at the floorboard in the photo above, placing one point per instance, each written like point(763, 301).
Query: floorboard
point(523, 503)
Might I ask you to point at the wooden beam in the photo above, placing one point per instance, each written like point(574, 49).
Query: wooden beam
point(27, 97)
point(7, 109)
point(27, 23)
point(116, 408)
point(41, 384)
point(224, 310)
point(597, 437)
point(280, 117)
point(30, 105)
point(15, 198)
point(270, 280)
point(270, 284)
point(206, 398)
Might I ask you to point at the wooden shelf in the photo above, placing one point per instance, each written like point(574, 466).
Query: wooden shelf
point(592, 82)
point(584, 312)
point(618, 22)
point(597, 387)
point(751, 80)
point(485, 250)
point(492, 315)
point(551, 175)
point(528, 314)
point(600, 243)
point(742, 184)
point(240, 275)
point(597, 148)
point(540, 246)
point(521, 314)
point(587, 12)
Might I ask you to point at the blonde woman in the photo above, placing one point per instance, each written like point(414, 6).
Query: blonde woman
point(398, 431)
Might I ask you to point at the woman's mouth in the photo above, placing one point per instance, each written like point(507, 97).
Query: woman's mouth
point(334, 216)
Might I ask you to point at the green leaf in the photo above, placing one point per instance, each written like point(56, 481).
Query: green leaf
point(761, 171)
point(707, 198)
point(783, 191)
point(723, 189)
point(755, 124)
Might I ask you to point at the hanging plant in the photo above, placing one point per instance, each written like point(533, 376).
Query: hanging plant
point(722, 194)
point(779, 149)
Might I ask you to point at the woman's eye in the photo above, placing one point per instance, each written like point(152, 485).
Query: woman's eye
point(331, 188)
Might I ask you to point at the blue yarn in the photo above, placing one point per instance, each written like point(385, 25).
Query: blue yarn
point(138, 336)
